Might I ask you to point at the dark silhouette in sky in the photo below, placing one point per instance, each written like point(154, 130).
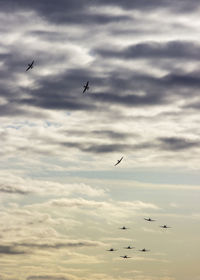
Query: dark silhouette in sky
point(149, 220)
point(86, 87)
point(30, 66)
point(119, 160)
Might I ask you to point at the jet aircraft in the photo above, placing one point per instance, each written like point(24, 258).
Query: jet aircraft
point(30, 66)
point(86, 87)
point(119, 160)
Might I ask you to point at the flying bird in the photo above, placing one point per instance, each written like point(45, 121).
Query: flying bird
point(125, 257)
point(30, 66)
point(119, 160)
point(123, 228)
point(86, 87)
point(111, 250)
point(144, 250)
point(129, 247)
point(149, 220)
point(165, 226)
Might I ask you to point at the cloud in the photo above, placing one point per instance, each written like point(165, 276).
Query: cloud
point(154, 50)
point(177, 143)
point(47, 277)
point(10, 250)
point(13, 189)
point(53, 244)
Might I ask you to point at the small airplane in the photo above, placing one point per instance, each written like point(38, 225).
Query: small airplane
point(30, 66)
point(86, 87)
point(111, 250)
point(165, 226)
point(123, 228)
point(129, 247)
point(119, 160)
point(125, 257)
point(149, 220)
point(144, 250)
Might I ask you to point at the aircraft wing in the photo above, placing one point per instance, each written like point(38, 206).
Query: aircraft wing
point(28, 68)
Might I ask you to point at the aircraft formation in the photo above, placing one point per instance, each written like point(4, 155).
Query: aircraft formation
point(86, 88)
point(131, 247)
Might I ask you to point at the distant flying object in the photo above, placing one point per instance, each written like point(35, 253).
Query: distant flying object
point(119, 160)
point(144, 250)
point(111, 250)
point(30, 66)
point(149, 220)
point(165, 226)
point(129, 247)
point(124, 228)
point(86, 87)
point(125, 257)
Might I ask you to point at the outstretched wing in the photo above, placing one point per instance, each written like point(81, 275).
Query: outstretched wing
point(29, 66)
point(86, 87)
point(119, 161)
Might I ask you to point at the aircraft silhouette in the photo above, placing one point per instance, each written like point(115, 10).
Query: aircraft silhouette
point(30, 66)
point(165, 226)
point(86, 87)
point(111, 250)
point(119, 160)
point(123, 228)
point(149, 220)
point(125, 257)
point(144, 250)
point(129, 247)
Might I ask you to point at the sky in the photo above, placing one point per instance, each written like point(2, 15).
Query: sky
point(63, 201)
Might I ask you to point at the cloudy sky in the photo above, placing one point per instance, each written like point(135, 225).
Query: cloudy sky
point(62, 199)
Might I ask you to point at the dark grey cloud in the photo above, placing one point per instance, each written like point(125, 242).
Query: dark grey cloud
point(162, 143)
point(103, 134)
point(57, 245)
point(12, 189)
point(69, 12)
point(177, 143)
point(112, 134)
point(64, 92)
point(130, 100)
point(10, 250)
point(192, 105)
point(18, 248)
point(12, 110)
point(46, 277)
point(168, 50)
point(66, 11)
point(107, 147)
